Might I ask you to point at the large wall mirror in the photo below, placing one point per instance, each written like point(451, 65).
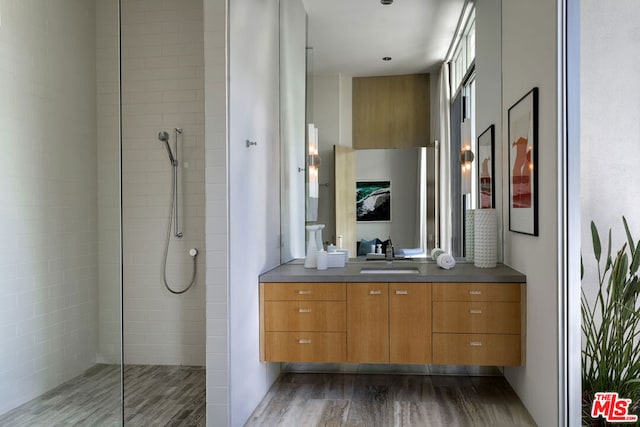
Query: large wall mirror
point(347, 40)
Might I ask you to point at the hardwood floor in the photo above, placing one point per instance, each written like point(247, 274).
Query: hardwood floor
point(154, 396)
point(164, 396)
point(175, 396)
point(322, 399)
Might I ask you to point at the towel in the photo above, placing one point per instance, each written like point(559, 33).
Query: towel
point(445, 261)
point(408, 252)
point(435, 252)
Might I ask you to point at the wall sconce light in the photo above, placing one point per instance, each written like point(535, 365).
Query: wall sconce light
point(466, 157)
point(313, 161)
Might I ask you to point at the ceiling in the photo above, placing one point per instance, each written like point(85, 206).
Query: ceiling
point(352, 36)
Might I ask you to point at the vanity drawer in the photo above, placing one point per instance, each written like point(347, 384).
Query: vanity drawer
point(476, 349)
point(320, 316)
point(306, 346)
point(476, 317)
point(305, 292)
point(504, 292)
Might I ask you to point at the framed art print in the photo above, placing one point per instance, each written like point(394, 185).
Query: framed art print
point(373, 201)
point(523, 164)
point(486, 169)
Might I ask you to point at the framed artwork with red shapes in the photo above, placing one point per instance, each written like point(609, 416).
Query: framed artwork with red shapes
point(486, 169)
point(523, 164)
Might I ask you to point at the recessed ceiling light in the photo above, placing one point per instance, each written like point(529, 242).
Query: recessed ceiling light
point(385, 2)
point(386, 58)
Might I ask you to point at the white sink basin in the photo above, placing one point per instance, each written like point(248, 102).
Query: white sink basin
point(390, 270)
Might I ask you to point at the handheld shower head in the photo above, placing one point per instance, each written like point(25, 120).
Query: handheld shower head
point(164, 137)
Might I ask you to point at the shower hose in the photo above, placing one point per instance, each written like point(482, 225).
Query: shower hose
point(192, 252)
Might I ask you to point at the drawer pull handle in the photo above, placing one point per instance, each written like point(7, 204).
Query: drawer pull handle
point(304, 341)
point(475, 292)
point(402, 292)
point(304, 310)
point(304, 292)
point(475, 343)
point(474, 311)
point(375, 292)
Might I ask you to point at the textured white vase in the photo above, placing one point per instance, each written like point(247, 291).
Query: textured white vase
point(311, 261)
point(486, 238)
point(469, 234)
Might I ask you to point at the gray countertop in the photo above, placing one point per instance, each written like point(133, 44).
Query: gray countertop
point(294, 271)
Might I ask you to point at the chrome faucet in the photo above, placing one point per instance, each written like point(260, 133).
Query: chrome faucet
point(389, 251)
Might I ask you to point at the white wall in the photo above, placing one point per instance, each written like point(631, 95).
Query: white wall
point(331, 113)
point(489, 86)
point(399, 166)
point(293, 43)
point(326, 117)
point(254, 193)
point(162, 88)
point(48, 255)
point(529, 40)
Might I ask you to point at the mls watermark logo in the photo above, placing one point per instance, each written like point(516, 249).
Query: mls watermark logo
point(612, 408)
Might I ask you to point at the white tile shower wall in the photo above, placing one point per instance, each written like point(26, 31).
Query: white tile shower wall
point(217, 213)
point(48, 255)
point(162, 89)
point(108, 118)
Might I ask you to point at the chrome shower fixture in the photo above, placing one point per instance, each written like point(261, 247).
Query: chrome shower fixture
point(174, 204)
point(164, 137)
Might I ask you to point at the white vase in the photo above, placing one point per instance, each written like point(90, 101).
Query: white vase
point(311, 261)
point(469, 234)
point(486, 238)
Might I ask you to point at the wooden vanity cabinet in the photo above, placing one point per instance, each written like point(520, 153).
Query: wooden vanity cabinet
point(420, 323)
point(303, 322)
point(389, 323)
point(410, 323)
point(478, 324)
point(368, 322)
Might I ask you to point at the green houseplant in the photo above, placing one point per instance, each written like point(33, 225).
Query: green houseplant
point(611, 326)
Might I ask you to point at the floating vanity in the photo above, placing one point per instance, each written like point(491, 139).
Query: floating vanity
point(406, 312)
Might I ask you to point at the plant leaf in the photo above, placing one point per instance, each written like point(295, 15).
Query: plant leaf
point(629, 238)
point(611, 324)
point(609, 261)
point(635, 261)
point(597, 249)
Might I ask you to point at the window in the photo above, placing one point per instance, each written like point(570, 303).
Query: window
point(462, 125)
point(464, 53)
